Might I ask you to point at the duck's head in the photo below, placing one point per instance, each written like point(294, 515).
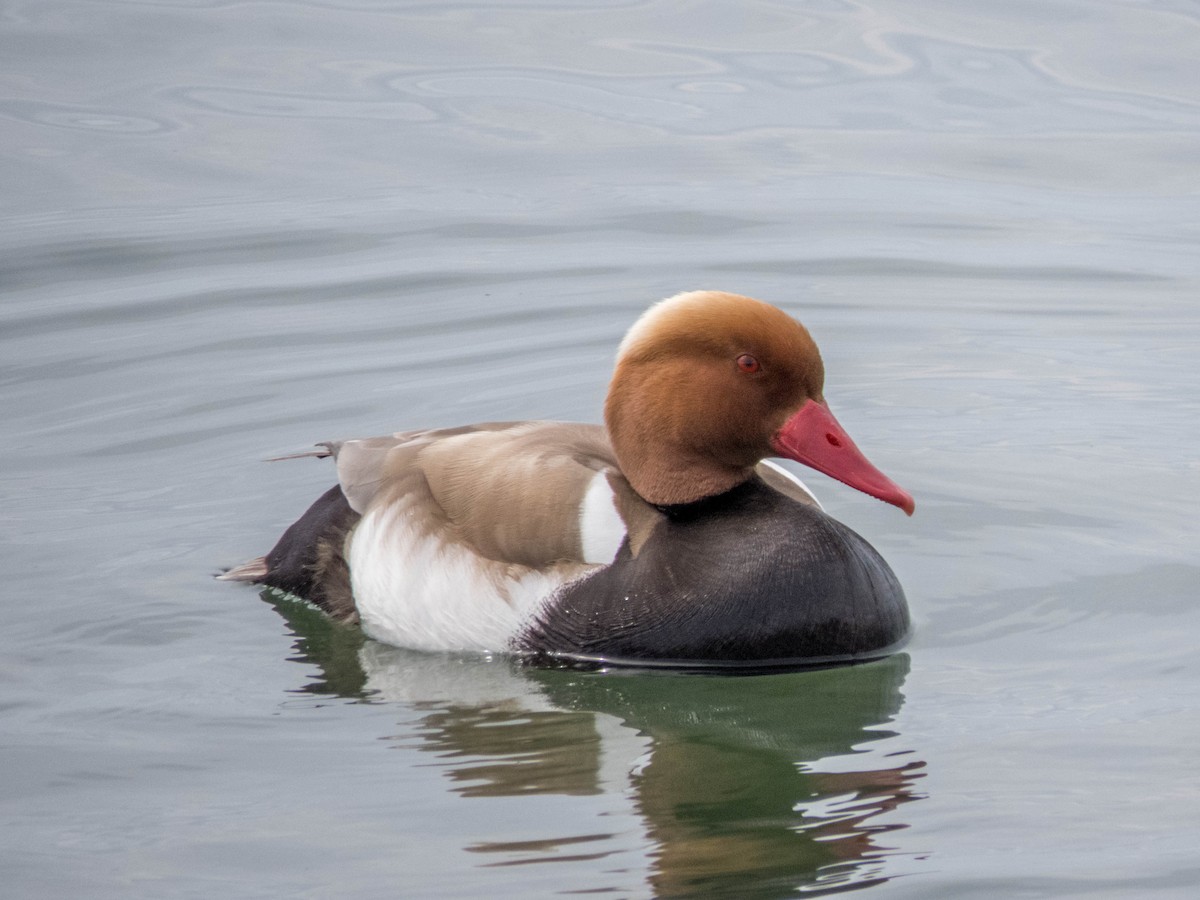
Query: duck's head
point(707, 384)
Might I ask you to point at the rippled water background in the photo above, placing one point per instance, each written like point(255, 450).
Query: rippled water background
point(231, 229)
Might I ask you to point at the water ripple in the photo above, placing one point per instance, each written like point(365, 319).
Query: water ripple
point(574, 93)
point(84, 118)
point(272, 104)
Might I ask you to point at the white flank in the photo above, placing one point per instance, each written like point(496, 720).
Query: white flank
point(415, 590)
point(791, 476)
point(601, 529)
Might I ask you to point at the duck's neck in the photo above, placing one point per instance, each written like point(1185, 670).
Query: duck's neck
point(706, 506)
point(667, 475)
point(677, 486)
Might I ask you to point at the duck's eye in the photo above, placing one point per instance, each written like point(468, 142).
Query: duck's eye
point(748, 363)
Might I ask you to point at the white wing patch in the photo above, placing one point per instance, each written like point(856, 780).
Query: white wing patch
point(791, 476)
point(417, 590)
point(601, 529)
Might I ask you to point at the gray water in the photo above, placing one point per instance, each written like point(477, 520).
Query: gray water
point(232, 229)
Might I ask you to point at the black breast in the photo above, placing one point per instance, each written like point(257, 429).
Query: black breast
point(749, 577)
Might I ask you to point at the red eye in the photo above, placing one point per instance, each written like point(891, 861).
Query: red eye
point(748, 363)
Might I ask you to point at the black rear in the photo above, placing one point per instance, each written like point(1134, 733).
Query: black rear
point(309, 559)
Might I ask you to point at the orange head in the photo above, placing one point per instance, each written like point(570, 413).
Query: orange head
point(707, 384)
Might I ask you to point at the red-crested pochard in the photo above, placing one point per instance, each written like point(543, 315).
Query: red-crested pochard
point(662, 538)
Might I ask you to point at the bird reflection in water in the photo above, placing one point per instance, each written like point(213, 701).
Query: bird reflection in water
point(746, 786)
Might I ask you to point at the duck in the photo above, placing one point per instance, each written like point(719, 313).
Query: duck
point(665, 537)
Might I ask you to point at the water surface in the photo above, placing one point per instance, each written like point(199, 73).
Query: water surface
point(233, 229)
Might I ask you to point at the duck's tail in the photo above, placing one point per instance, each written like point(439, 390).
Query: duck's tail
point(252, 571)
